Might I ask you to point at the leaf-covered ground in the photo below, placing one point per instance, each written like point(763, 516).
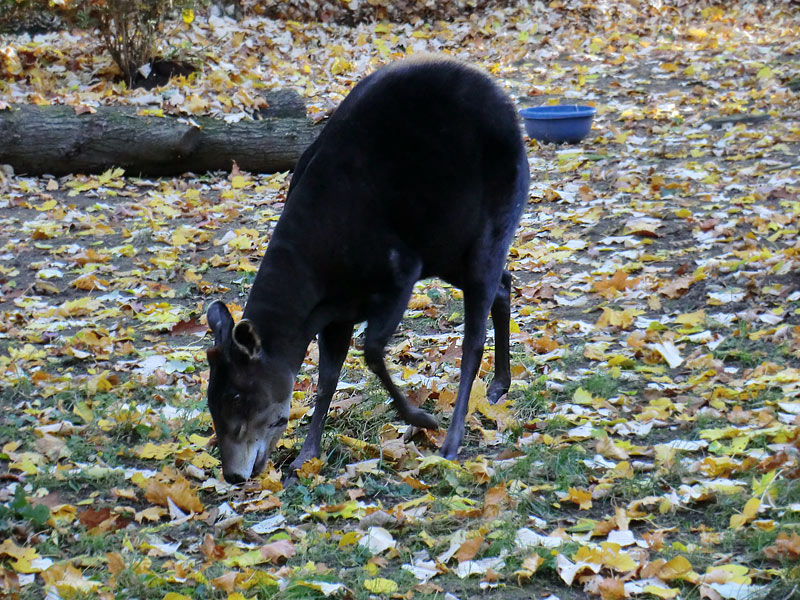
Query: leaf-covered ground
point(649, 444)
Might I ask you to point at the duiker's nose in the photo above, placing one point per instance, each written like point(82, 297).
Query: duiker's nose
point(234, 478)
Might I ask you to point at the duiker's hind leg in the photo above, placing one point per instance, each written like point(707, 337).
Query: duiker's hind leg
point(478, 299)
point(387, 310)
point(501, 320)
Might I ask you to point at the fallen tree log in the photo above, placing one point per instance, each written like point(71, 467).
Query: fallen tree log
point(37, 140)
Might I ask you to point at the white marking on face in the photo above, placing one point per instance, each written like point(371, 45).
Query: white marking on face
point(240, 457)
point(244, 456)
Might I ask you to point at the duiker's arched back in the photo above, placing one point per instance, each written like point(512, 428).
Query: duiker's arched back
point(420, 172)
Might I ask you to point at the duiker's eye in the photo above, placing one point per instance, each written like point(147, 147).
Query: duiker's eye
point(234, 404)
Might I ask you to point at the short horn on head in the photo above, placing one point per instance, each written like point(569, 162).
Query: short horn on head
point(246, 339)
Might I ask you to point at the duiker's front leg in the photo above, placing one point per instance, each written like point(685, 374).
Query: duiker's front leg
point(387, 310)
point(334, 341)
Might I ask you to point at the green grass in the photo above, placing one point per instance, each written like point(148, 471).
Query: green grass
point(323, 547)
point(602, 384)
point(738, 349)
point(560, 467)
point(534, 400)
point(537, 399)
point(81, 481)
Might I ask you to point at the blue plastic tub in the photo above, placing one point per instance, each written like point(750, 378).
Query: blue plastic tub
point(560, 123)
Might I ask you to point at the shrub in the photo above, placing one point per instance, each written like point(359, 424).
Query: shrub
point(128, 27)
point(33, 16)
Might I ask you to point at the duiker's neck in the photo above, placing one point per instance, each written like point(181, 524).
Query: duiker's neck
point(281, 301)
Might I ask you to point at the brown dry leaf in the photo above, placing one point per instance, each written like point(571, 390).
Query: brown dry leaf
point(346, 403)
point(540, 291)
point(785, 547)
point(608, 287)
point(277, 551)
point(612, 588)
point(646, 227)
point(446, 400)
point(654, 539)
point(180, 490)
point(543, 344)
point(226, 582)
point(636, 340)
point(606, 447)
point(188, 327)
point(266, 504)
point(676, 287)
point(622, 319)
point(210, 549)
point(469, 548)
point(415, 483)
point(495, 501)
point(91, 518)
point(116, 563)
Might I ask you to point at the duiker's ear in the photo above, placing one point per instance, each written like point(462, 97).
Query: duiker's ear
point(221, 323)
point(246, 339)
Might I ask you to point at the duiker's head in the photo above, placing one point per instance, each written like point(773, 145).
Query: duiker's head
point(249, 395)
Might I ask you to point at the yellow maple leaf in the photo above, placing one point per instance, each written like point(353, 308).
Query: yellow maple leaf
point(677, 568)
point(47, 205)
point(68, 580)
point(662, 592)
point(697, 33)
point(379, 585)
point(83, 410)
point(154, 513)
point(748, 513)
point(596, 351)
point(349, 539)
point(310, 468)
point(581, 396)
point(203, 460)
point(89, 282)
point(529, 566)
point(22, 556)
point(360, 446)
point(476, 396)
point(583, 498)
point(196, 104)
point(157, 451)
point(340, 65)
point(692, 319)
point(238, 182)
